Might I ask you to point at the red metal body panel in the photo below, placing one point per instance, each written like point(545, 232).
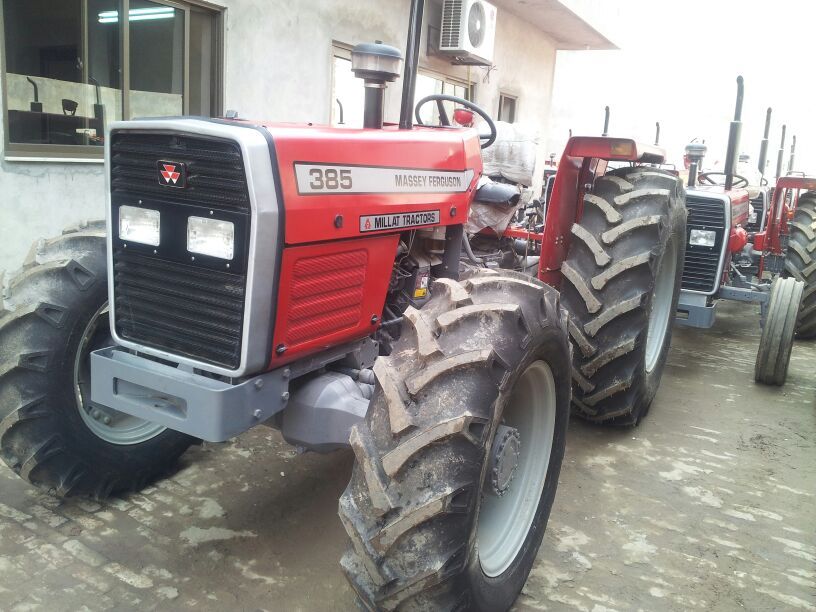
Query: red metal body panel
point(313, 218)
point(614, 149)
point(779, 213)
point(566, 206)
point(329, 293)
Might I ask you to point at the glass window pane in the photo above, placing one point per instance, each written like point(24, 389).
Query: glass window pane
point(156, 59)
point(43, 47)
point(507, 109)
point(348, 93)
point(102, 96)
point(203, 65)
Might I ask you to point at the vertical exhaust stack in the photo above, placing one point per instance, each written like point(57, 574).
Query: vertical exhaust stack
point(411, 64)
point(606, 121)
point(781, 153)
point(657, 133)
point(734, 137)
point(377, 64)
point(763, 147)
point(792, 154)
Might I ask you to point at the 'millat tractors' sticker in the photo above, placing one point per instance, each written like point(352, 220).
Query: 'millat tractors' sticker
point(377, 223)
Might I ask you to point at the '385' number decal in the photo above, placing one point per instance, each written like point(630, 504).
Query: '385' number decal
point(329, 178)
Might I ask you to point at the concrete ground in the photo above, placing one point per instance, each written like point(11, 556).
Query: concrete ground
point(709, 504)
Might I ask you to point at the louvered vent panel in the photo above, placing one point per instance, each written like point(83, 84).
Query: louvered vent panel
point(451, 23)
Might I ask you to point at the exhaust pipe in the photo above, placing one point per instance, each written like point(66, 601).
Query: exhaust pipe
point(792, 154)
point(692, 177)
point(781, 153)
point(734, 137)
point(657, 133)
point(763, 147)
point(411, 64)
point(606, 121)
point(377, 64)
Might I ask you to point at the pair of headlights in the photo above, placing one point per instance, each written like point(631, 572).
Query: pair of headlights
point(205, 236)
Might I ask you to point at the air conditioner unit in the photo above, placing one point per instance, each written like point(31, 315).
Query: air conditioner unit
point(468, 31)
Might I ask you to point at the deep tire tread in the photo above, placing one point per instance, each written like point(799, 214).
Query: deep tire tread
point(408, 484)
point(41, 313)
point(634, 212)
point(800, 261)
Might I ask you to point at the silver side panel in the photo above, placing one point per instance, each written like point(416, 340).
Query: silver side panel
point(259, 310)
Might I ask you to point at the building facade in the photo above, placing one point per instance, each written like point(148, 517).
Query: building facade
point(68, 68)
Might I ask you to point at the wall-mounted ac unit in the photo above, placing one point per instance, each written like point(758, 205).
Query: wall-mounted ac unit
point(468, 31)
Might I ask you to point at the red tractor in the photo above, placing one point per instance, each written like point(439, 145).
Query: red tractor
point(752, 248)
point(319, 281)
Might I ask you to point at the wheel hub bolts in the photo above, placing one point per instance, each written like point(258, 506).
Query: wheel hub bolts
point(504, 459)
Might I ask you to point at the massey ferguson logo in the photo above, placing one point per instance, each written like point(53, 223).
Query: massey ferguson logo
point(172, 174)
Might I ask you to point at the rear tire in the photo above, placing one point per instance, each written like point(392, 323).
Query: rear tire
point(621, 286)
point(412, 508)
point(53, 316)
point(801, 261)
point(776, 341)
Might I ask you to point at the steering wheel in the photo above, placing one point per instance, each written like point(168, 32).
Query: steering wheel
point(445, 121)
point(705, 177)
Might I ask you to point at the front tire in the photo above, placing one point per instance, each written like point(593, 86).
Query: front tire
point(776, 341)
point(438, 446)
point(801, 261)
point(54, 315)
point(621, 285)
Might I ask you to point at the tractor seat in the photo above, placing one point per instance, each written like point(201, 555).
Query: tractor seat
point(497, 194)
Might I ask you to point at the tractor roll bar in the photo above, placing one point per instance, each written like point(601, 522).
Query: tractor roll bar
point(411, 64)
point(734, 137)
point(763, 147)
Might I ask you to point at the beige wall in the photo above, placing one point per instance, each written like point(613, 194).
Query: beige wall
point(278, 66)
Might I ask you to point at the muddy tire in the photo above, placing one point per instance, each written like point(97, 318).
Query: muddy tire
point(776, 341)
point(621, 285)
point(801, 261)
point(53, 311)
point(432, 455)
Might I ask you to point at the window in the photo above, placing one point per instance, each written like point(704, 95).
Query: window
point(507, 108)
point(348, 93)
point(69, 72)
point(429, 84)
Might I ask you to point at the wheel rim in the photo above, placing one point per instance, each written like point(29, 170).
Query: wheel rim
point(661, 305)
point(505, 521)
point(108, 424)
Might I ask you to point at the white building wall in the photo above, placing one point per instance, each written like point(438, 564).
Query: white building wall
point(277, 66)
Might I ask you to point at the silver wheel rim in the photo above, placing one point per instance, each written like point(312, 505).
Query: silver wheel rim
point(661, 305)
point(108, 424)
point(504, 522)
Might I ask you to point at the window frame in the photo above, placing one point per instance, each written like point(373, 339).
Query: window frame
point(343, 51)
point(21, 151)
point(507, 96)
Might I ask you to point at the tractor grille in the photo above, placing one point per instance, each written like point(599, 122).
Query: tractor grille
point(165, 299)
point(702, 263)
point(179, 308)
point(451, 23)
point(215, 169)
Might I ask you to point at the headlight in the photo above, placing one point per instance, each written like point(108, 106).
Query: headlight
point(211, 237)
point(704, 238)
point(139, 225)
